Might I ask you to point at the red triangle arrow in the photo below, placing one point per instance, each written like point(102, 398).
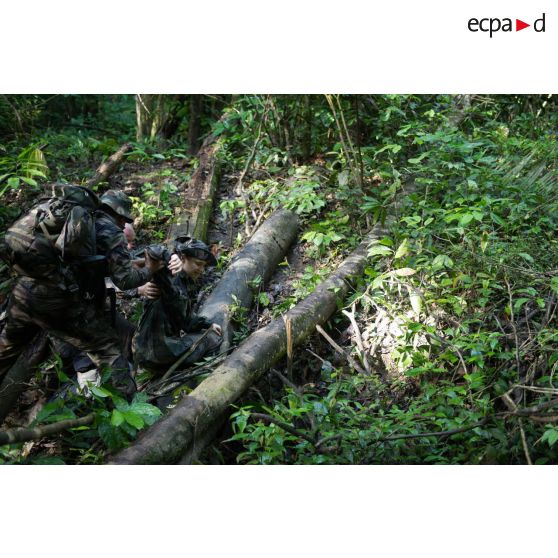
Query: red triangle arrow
point(519, 25)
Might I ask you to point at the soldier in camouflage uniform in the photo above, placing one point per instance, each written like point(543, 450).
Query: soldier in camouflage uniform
point(169, 327)
point(52, 306)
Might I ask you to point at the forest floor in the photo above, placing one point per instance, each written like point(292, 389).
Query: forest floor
point(448, 342)
point(135, 179)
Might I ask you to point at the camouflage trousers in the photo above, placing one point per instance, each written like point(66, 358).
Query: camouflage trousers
point(34, 306)
point(75, 360)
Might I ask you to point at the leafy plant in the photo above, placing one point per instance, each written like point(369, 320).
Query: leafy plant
point(25, 168)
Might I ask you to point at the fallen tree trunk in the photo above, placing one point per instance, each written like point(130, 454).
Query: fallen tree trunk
point(261, 255)
point(18, 377)
point(109, 166)
point(177, 433)
point(197, 200)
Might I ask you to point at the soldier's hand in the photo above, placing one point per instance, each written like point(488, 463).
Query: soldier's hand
point(150, 291)
point(153, 265)
point(217, 329)
point(175, 264)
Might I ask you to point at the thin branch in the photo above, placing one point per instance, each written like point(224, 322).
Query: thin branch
point(143, 104)
point(285, 380)
point(437, 434)
point(348, 153)
point(524, 444)
point(451, 346)
point(323, 360)
point(514, 328)
point(348, 136)
point(349, 358)
point(16, 435)
point(358, 336)
point(183, 375)
point(536, 409)
point(188, 353)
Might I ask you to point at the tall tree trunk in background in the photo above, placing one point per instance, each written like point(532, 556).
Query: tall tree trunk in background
point(144, 116)
point(194, 122)
point(175, 114)
point(90, 105)
point(157, 116)
point(307, 140)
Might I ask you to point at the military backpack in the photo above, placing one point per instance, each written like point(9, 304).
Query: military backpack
point(55, 234)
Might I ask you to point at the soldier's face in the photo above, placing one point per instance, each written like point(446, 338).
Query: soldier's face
point(130, 235)
point(193, 267)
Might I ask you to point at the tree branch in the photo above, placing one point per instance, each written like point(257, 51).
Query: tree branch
point(16, 435)
point(436, 434)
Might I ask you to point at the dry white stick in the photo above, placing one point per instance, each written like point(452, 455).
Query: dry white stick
point(360, 344)
point(349, 358)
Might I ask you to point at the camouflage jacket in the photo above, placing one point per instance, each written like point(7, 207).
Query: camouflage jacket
point(111, 243)
point(163, 334)
point(183, 301)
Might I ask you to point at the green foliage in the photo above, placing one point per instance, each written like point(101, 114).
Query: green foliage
point(324, 234)
point(239, 317)
point(116, 423)
point(156, 202)
point(459, 296)
point(230, 207)
point(352, 419)
point(24, 169)
point(143, 152)
point(469, 262)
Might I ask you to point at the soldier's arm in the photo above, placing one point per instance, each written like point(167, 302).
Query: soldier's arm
point(124, 275)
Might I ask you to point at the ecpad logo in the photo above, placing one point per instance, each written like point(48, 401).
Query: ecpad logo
point(494, 24)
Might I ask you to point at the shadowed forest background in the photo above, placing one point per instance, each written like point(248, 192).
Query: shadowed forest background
point(442, 350)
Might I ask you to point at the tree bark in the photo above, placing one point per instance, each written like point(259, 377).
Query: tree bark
point(144, 110)
point(157, 116)
point(194, 120)
point(108, 167)
point(18, 377)
point(261, 255)
point(197, 199)
point(174, 436)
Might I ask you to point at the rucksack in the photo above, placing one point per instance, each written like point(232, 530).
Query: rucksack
point(56, 233)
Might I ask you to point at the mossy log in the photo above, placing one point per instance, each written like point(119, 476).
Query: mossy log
point(196, 204)
point(261, 255)
point(20, 374)
point(186, 426)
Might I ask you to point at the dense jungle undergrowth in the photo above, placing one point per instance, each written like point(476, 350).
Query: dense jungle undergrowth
point(447, 347)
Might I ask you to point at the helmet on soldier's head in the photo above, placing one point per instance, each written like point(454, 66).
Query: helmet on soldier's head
point(119, 203)
point(193, 248)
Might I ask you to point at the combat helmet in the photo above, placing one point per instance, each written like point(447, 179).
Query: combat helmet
point(193, 248)
point(119, 203)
